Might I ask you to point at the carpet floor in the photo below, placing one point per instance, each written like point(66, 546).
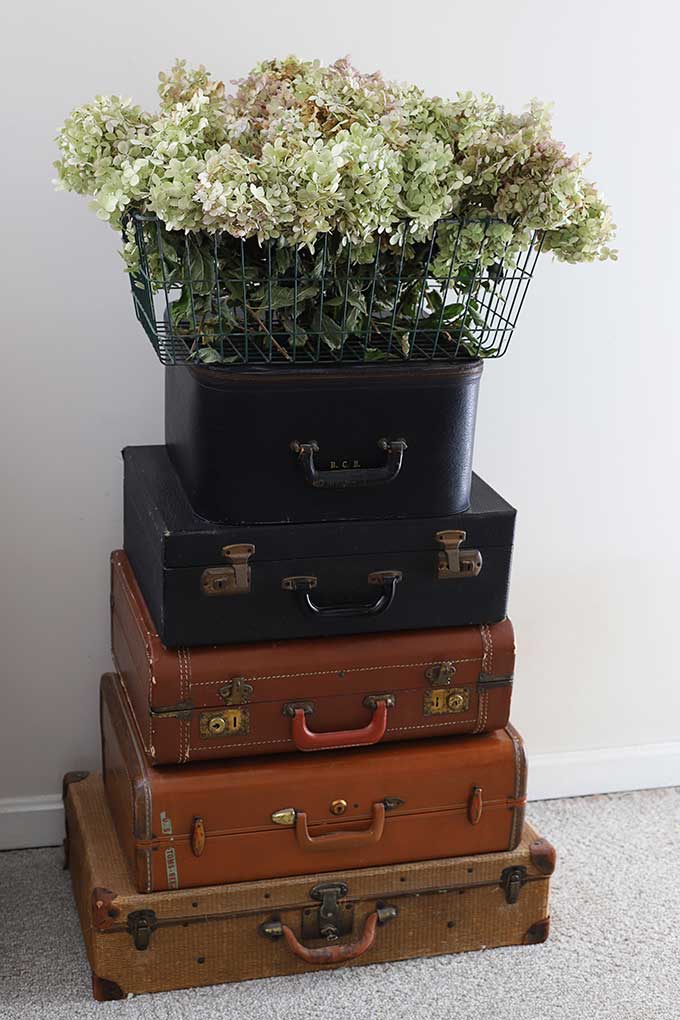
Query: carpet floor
point(613, 952)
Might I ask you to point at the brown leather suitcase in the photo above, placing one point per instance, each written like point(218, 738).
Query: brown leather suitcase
point(266, 817)
point(163, 941)
point(314, 694)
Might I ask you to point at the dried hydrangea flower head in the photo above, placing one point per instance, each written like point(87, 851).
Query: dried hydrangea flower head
point(302, 149)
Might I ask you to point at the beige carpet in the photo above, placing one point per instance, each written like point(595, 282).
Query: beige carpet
point(613, 954)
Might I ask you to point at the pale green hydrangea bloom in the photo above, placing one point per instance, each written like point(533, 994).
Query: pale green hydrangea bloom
point(302, 150)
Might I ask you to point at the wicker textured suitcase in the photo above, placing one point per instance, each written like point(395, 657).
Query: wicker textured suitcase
point(208, 584)
point(318, 694)
point(204, 936)
point(265, 817)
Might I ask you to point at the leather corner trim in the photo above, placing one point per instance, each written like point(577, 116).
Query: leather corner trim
point(104, 913)
point(543, 856)
point(104, 990)
point(538, 932)
point(71, 777)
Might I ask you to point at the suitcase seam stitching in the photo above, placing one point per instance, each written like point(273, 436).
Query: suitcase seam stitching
point(349, 669)
point(129, 597)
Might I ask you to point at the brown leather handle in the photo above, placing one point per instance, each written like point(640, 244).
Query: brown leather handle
point(341, 840)
point(334, 954)
point(306, 740)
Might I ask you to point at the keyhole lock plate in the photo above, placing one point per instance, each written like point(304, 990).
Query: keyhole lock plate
point(338, 807)
point(230, 722)
point(446, 700)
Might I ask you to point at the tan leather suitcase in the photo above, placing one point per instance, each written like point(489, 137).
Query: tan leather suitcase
point(267, 817)
point(315, 694)
point(203, 936)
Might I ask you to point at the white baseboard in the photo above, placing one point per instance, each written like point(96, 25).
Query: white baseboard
point(31, 821)
point(605, 770)
point(39, 821)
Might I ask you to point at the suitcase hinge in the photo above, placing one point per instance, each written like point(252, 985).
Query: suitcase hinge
point(182, 710)
point(486, 680)
point(512, 880)
point(456, 562)
point(140, 924)
point(233, 579)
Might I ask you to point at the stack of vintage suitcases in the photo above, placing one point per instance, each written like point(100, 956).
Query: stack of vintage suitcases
point(307, 758)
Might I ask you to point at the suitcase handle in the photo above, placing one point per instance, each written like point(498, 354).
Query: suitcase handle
point(332, 954)
point(341, 840)
point(306, 740)
point(302, 586)
point(350, 478)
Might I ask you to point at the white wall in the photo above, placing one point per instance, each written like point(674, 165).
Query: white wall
point(578, 425)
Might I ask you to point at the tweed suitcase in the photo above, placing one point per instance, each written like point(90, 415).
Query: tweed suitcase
point(261, 818)
point(316, 694)
point(164, 941)
point(336, 442)
point(210, 584)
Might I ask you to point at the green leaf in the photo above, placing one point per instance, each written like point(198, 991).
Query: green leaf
point(284, 297)
point(374, 354)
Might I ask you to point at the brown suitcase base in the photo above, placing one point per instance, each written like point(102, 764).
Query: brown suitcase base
point(163, 941)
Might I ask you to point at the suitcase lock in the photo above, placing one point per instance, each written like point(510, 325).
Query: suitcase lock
point(455, 562)
point(233, 579)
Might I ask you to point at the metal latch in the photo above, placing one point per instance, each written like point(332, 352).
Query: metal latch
point(236, 691)
point(332, 919)
point(140, 924)
point(233, 579)
point(512, 880)
point(455, 562)
point(440, 674)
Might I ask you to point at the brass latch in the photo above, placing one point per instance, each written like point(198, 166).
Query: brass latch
point(230, 722)
point(236, 691)
point(440, 674)
point(455, 562)
point(233, 579)
point(512, 880)
point(141, 924)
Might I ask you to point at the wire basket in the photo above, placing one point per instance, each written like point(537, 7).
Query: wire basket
point(220, 300)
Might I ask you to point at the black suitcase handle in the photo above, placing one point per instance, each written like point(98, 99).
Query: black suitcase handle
point(350, 478)
point(302, 586)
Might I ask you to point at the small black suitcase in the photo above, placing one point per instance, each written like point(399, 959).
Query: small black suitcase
point(207, 583)
point(333, 443)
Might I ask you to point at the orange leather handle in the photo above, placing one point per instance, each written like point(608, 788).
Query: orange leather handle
point(306, 740)
point(333, 954)
point(341, 840)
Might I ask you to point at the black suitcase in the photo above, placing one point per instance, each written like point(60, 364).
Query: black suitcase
point(318, 444)
point(218, 584)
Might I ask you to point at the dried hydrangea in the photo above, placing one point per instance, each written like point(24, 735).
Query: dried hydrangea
point(303, 153)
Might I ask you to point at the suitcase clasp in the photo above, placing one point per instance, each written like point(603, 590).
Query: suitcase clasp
point(332, 919)
point(512, 880)
point(141, 924)
point(455, 562)
point(233, 579)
